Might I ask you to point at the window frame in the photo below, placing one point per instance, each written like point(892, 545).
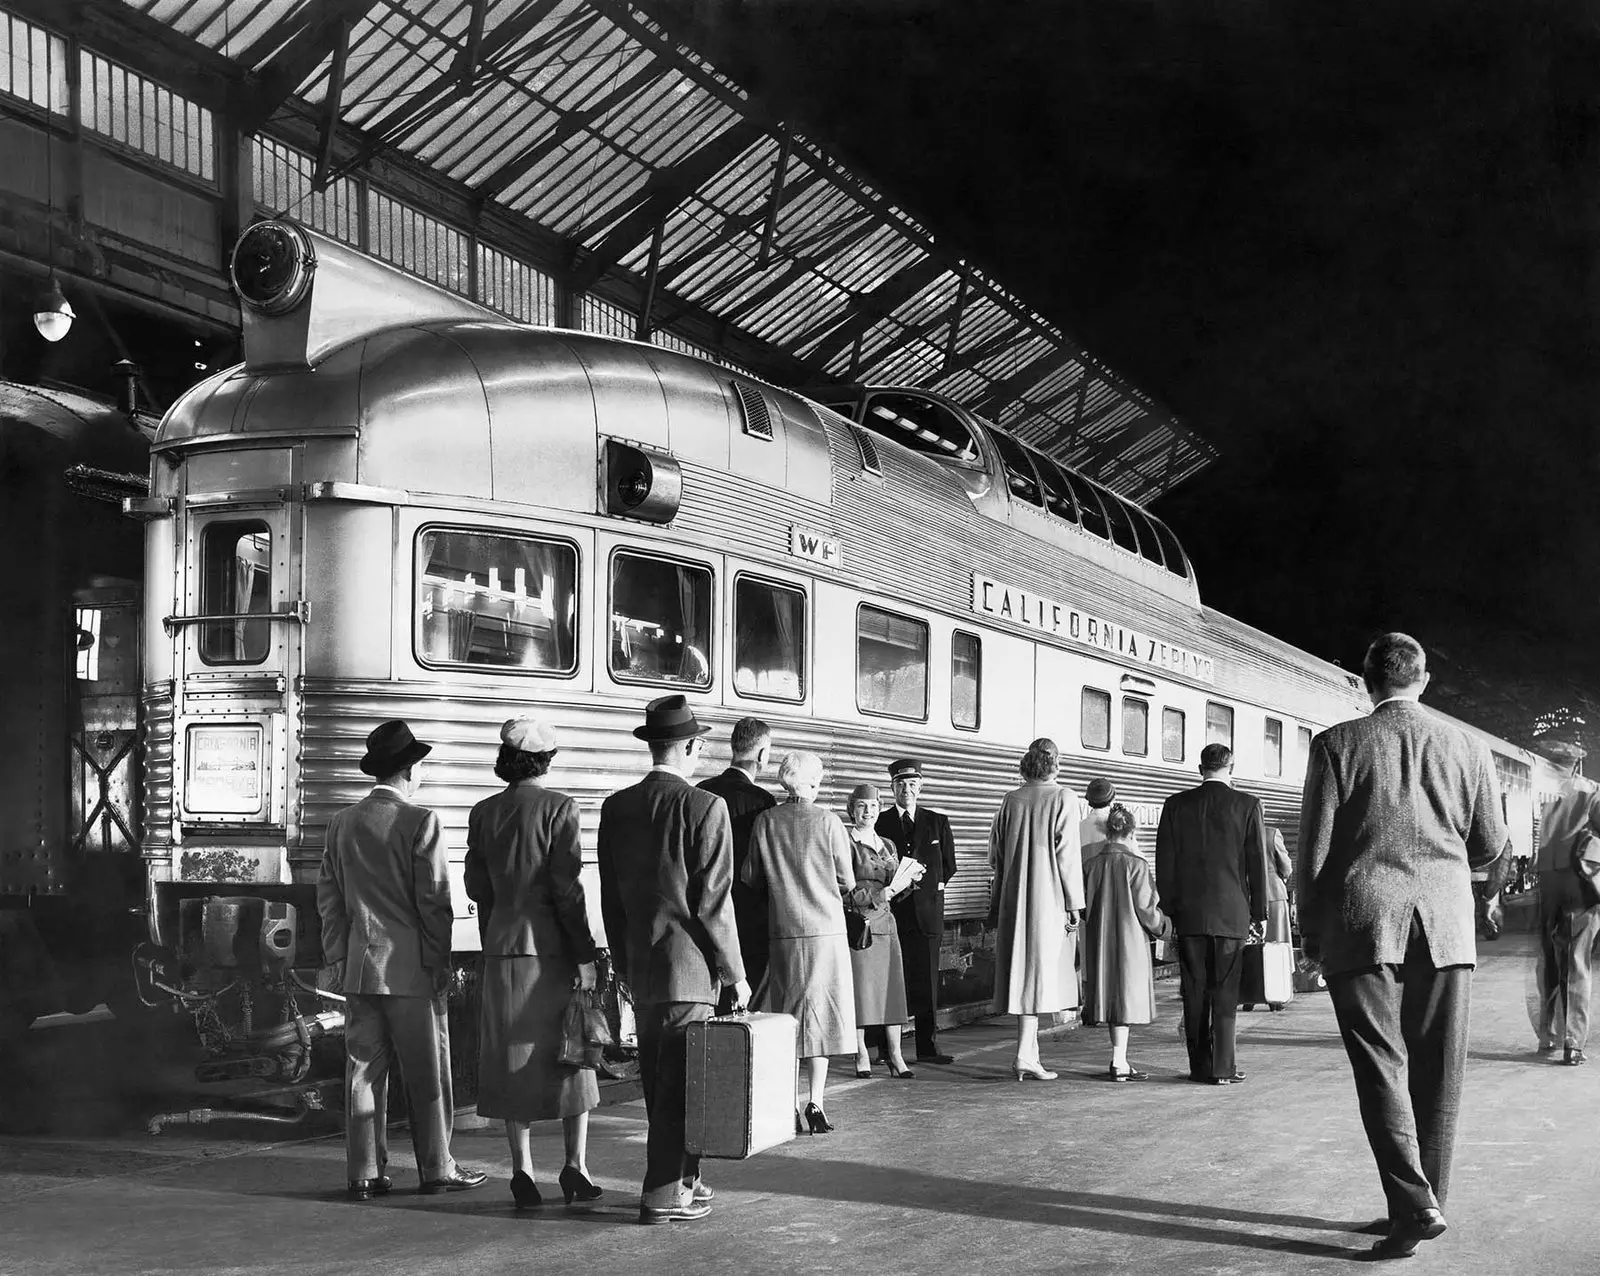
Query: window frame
point(977, 723)
point(427, 662)
point(1183, 733)
point(1233, 723)
point(1083, 700)
point(1144, 704)
point(1267, 723)
point(259, 524)
point(624, 680)
point(771, 582)
point(927, 680)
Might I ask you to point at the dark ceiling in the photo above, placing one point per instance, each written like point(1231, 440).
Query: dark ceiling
point(1351, 245)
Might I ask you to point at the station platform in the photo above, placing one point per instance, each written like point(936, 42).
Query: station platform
point(961, 1170)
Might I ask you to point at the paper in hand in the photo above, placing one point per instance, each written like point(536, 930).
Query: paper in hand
point(904, 875)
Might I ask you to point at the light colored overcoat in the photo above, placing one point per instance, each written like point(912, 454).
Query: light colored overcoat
point(1033, 848)
point(1120, 920)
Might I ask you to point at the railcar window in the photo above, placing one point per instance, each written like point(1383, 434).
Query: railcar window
point(1121, 524)
point(660, 620)
point(769, 640)
point(920, 424)
point(966, 679)
point(505, 601)
point(1057, 494)
point(1272, 747)
point(1089, 508)
point(1172, 728)
point(1304, 734)
point(1219, 723)
point(235, 580)
point(891, 664)
point(1135, 727)
point(1096, 719)
point(1149, 544)
point(1020, 475)
point(1170, 547)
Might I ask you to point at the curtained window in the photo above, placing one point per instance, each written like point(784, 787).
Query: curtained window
point(1135, 727)
point(769, 639)
point(891, 664)
point(1095, 718)
point(235, 580)
point(1172, 728)
point(491, 599)
point(1219, 723)
point(660, 620)
point(966, 679)
point(1272, 747)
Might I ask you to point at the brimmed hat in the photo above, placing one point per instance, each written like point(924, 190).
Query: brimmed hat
point(1101, 792)
point(862, 793)
point(904, 769)
point(530, 734)
point(669, 718)
point(391, 748)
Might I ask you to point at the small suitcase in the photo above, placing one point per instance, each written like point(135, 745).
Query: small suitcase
point(1268, 976)
point(739, 1096)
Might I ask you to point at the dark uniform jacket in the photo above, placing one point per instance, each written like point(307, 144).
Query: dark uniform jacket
point(745, 800)
point(921, 909)
point(1211, 861)
point(1399, 808)
point(666, 872)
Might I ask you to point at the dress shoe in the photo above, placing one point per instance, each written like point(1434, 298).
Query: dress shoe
point(458, 1180)
point(575, 1186)
point(524, 1191)
point(1236, 1078)
point(1032, 1072)
point(1406, 1234)
point(863, 1074)
point(1130, 1073)
point(863, 1068)
point(817, 1119)
point(702, 1191)
point(685, 1211)
point(902, 1073)
point(935, 1057)
point(1573, 1057)
point(366, 1189)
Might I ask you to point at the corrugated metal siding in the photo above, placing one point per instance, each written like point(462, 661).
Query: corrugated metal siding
point(158, 764)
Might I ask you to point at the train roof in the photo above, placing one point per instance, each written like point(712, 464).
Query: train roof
point(72, 426)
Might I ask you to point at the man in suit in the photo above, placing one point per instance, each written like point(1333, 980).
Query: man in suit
point(752, 746)
point(1568, 925)
point(1399, 808)
point(923, 835)
point(666, 868)
point(384, 899)
point(1211, 875)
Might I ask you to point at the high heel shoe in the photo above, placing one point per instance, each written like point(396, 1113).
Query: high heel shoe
point(863, 1071)
point(1032, 1072)
point(817, 1119)
point(524, 1191)
point(575, 1186)
point(902, 1073)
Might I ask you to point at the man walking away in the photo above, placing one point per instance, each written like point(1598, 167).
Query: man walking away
point(1568, 925)
point(752, 747)
point(1211, 876)
point(1399, 808)
point(384, 899)
point(666, 867)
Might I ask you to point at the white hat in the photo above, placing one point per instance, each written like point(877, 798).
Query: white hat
point(531, 735)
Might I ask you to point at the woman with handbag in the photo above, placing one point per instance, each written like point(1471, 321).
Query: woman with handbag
point(800, 857)
point(877, 974)
point(523, 861)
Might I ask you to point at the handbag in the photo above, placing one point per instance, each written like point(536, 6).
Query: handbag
point(584, 1030)
point(856, 930)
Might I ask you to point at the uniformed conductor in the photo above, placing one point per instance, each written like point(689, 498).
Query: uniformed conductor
point(384, 899)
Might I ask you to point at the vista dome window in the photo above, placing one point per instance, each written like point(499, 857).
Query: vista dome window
point(921, 424)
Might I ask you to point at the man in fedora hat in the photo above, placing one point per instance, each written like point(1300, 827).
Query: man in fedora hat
point(384, 899)
point(920, 834)
point(666, 872)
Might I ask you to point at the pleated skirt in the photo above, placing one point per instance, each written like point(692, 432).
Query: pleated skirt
point(519, 1037)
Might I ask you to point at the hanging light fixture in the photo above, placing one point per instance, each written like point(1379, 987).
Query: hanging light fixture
point(52, 312)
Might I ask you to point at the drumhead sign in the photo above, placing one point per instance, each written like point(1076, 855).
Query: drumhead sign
point(1008, 602)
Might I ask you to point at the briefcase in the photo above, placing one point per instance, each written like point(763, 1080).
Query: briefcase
point(739, 1097)
point(1268, 975)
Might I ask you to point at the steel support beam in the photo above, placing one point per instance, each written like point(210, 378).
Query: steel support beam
point(651, 278)
point(332, 105)
point(780, 172)
point(301, 42)
point(839, 331)
point(654, 201)
point(1001, 393)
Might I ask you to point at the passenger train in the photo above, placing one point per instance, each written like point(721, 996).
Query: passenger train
point(404, 505)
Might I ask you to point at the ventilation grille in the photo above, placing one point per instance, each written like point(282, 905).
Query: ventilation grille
point(757, 419)
point(868, 450)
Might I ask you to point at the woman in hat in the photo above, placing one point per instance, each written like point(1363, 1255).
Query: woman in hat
point(522, 868)
point(1033, 848)
point(877, 973)
point(800, 856)
point(1120, 920)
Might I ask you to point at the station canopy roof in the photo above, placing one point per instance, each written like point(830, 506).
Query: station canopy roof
point(588, 120)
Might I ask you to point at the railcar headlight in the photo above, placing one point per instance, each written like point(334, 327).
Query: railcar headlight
point(640, 482)
point(273, 263)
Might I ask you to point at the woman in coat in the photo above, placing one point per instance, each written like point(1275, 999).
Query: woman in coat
point(522, 871)
point(878, 977)
point(1033, 848)
point(1280, 870)
point(800, 856)
point(1120, 920)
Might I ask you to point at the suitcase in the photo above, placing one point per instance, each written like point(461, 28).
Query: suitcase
point(739, 1096)
point(1268, 975)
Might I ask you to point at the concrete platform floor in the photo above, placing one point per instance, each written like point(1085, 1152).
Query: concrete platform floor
point(960, 1170)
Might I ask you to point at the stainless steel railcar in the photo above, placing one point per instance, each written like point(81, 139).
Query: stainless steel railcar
point(402, 505)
